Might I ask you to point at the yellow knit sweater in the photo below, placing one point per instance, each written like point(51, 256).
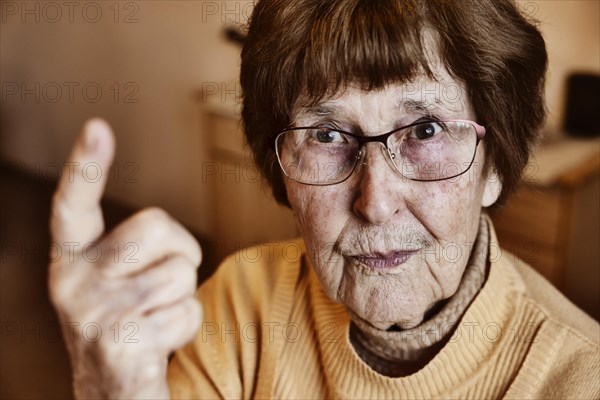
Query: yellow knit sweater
point(269, 331)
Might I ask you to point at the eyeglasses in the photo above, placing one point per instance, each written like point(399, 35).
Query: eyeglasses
point(422, 151)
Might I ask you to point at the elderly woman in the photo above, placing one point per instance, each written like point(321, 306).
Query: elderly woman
point(387, 127)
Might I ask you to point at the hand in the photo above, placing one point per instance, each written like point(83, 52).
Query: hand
point(125, 298)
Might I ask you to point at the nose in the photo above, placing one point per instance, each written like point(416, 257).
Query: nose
point(378, 196)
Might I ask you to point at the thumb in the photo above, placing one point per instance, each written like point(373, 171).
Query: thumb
point(76, 213)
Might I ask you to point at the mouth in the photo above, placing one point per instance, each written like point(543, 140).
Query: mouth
point(384, 261)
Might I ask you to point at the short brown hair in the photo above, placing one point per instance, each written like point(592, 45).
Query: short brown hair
point(312, 48)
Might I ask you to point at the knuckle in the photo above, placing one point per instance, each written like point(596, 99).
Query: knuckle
point(192, 249)
point(186, 279)
point(176, 273)
point(154, 214)
point(188, 275)
point(196, 253)
point(194, 314)
point(156, 218)
point(144, 286)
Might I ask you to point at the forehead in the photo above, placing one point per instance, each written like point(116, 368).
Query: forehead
point(442, 96)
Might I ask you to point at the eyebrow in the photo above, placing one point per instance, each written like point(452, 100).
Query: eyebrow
point(415, 106)
point(421, 106)
point(320, 109)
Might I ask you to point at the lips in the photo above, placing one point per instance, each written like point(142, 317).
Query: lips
point(385, 261)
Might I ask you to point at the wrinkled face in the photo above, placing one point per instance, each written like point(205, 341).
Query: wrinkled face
point(386, 247)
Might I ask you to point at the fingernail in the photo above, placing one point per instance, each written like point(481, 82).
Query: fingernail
point(91, 140)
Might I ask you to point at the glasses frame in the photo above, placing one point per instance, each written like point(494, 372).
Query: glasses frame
point(383, 138)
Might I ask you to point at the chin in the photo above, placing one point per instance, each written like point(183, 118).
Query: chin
point(383, 310)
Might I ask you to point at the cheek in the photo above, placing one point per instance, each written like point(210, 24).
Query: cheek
point(318, 211)
point(450, 209)
point(321, 214)
point(450, 212)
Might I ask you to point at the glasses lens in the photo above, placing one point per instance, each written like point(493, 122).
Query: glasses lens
point(316, 156)
point(434, 150)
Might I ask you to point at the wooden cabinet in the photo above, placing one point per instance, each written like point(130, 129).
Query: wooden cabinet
point(245, 211)
point(553, 221)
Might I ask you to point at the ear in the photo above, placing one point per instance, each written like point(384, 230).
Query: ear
point(492, 188)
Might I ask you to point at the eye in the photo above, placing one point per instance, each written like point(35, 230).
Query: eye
point(327, 136)
point(425, 130)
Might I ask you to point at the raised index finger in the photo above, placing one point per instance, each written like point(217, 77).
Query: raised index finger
point(76, 214)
